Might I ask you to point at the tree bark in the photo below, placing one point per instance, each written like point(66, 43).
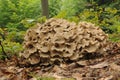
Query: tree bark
point(45, 11)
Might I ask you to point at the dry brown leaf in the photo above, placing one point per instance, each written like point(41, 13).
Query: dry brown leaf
point(115, 67)
point(58, 77)
point(57, 69)
point(77, 76)
point(82, 63)
point(62, 65)
point(100, 65)
point(72, 66)
point(109, 78)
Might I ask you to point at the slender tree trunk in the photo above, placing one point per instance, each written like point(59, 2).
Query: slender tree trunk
point(45, 11)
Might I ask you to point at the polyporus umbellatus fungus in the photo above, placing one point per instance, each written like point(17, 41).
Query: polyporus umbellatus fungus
point(58, 40)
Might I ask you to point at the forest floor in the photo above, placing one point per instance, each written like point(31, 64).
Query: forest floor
point(102, 68)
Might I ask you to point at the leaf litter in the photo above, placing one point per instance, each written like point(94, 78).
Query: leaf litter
point(103, 68)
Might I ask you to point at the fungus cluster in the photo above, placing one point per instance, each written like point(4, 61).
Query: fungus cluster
point(58, 40)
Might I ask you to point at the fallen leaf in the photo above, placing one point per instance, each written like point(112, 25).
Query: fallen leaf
point(82, 63)
point(57, 69)
point(57, 77)
point(100, 65)
point(63, 65)
point(115, 66)
point(77, 76)
point(72, 66)
point(109, 78)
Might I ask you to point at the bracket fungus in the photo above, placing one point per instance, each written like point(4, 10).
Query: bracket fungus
point(58, 40)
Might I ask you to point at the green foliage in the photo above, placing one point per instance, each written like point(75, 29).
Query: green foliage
point(32, 74)
point(52, 78)
point(11, 48)
point(66, 8)
point(41, 19)
point(54, 7)
point(68, 79)
point(46, 78)
point(115, 37)
point(13, 11)
point(107, 19)
point(71, 8)
point(16, 17)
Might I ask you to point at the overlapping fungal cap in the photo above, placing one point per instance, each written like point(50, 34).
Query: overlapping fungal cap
point(58, 40)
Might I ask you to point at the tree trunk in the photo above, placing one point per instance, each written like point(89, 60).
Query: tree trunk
point(45, 11)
